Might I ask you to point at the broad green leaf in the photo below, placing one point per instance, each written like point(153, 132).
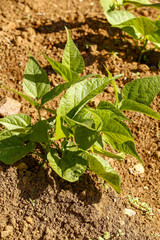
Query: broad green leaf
point(79, 94)
point(12, 149)
point(103, 169)
point(100, 116)
point(70, 167)
point(117, 135)
point(83, 117)
point(136, 2)
point(143, 3)
point(118, 17)
point(35, 81)
point(85, 137)
point(5, 134)
point(16, 122)
point(155, 37)
point(72, 58)
point(39, 132)
point(61, 130)
point(130, 105)
point(96, 148)
point(54, 93)
point(67, 74)
point(34, 103)
point(142, 90)
point(138, 26)
point(107, 5)
point(109, 106)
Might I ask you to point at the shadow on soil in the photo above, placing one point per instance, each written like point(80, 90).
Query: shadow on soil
point(92, 43)
point(35, 179)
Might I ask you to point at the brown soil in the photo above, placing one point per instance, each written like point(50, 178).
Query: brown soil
point(35, 204)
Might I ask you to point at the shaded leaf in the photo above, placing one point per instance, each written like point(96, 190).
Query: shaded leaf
point(70, 167)
point(12, 149)
point(39, 132)
point(85, 137)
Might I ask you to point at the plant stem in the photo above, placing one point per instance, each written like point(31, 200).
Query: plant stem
point(39, 114)
point(116, 93)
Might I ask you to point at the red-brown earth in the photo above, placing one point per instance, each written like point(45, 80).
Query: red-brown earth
point(35, 203)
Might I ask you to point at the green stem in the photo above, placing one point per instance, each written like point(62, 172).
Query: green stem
point(158, 17)
point(39, 114)
point(139, 48)
point(115, 91)
point(143, 49)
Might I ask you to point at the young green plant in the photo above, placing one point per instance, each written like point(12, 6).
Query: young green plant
point(83, 131)
point(141, 29)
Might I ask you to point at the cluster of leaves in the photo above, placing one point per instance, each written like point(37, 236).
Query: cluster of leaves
point(139, 28)
point(83, 131)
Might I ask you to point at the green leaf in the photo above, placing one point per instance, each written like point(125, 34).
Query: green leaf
point(112, 108)
point(5, 134)
point(54, 93)
point(90, 76)
point(102, 168)
point(12, 149)
point(143, 3)
point(118, 135)
point(83, 117)
point(137, 2)
point(17, 122)
point(137, 27)
point(35, 81)
point(85, 137)
point(67, 74)
point(79, 94)
point(96, 148)
point(119, 17)
point(39, 132)
point(61, 130)
point(70, 167)
point(72, 58)
point(34, 103)
point(142, 90)
point(107, 5)
point(130, 105)
point(155, 37)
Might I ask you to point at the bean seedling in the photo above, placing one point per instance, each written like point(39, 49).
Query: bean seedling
point(82, 132)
